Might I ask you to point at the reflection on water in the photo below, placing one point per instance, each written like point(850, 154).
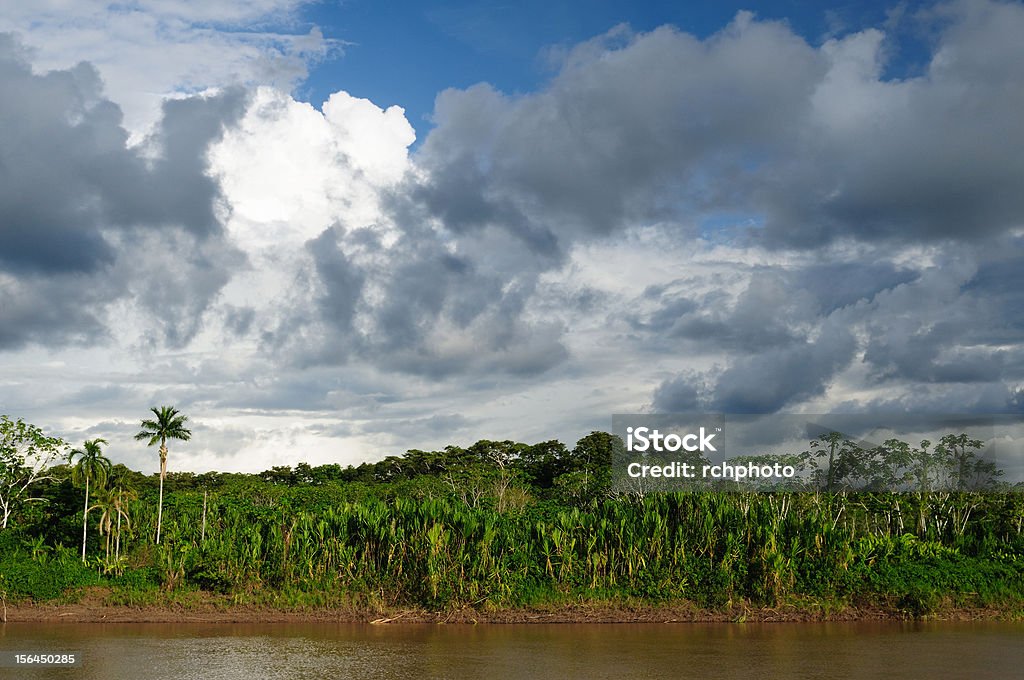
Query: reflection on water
point(408, 652)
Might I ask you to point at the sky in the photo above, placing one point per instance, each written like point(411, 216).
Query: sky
point(334, 231)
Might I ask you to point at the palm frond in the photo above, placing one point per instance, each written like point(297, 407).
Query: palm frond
point(169, 424)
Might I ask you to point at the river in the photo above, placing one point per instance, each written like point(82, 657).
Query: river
point(974, 650)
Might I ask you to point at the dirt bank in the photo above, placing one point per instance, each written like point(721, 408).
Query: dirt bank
point(93, 610)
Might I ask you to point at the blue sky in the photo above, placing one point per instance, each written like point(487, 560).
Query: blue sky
point(405, 52)
point(219, 205)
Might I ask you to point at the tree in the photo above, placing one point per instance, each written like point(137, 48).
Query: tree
point(966, 469)
point(111, 504)
point(498, 460)
point(279, 474)
point(169, 424)
point(923, 463)
point(892, 465)
point(25, 456)
point(588, 470)
point(92, 465)
point(844, 460)
point(543, 462)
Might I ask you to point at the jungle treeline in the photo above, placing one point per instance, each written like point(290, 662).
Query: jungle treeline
point(505, 524)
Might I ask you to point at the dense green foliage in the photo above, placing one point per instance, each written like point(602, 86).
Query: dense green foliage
point(25, 455)
point(506, 524)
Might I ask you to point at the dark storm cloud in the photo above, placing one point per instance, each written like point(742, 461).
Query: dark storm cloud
point(767, 382)
point(74, 197)
point(929, 157)
point(663, 126)
point(678, 395)
point(668, 314)
point(427, 304)
point(834, 285)
point(435, 301)
point(174, 276)
point(777, 307)
point(977, 398)
point(999, 283)
point(297, 391)
point(766, 314)
point(175, 189)
point(55, 134)
point(664, 129)
point(884, 209)
point(52, 311)
point(945, 337)
point(631, 128)
point(342, 281)
point(933, 354)
point(954, 325)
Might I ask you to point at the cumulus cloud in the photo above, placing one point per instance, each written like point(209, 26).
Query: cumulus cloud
point(814, 141)
point(80, 211)
point(772, 380)
point(747, 223)
point(631, 129)
point(920, 158)
point(759, 157)
point(817, 148)
point(149, 49)
point(380, 278)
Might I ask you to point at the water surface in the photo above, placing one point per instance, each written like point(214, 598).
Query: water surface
point(976, 650)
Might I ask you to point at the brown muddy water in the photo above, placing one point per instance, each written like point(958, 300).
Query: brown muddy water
point(974, 650)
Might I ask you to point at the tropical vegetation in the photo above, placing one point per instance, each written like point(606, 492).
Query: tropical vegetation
point(168, 424)
point(89, 465)
point(501, 524)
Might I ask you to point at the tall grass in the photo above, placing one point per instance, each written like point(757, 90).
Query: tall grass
point(711, 548)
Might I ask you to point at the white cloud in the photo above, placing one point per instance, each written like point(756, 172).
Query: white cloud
point(542, 260)
point(148, 50)
point(289, 171)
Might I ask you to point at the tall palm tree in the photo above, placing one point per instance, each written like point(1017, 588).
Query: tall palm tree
point(169, 424)
point(92, 466)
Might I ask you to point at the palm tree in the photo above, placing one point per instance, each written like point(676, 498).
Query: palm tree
point(169, 424)
point(113, 504)
point(91, 465)
point(105, 504)
point(122, 496)
point(110, 503)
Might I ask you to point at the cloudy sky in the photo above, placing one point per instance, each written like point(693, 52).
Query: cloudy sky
point(334, 231)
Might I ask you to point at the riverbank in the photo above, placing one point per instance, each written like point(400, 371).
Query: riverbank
point(210, 608)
